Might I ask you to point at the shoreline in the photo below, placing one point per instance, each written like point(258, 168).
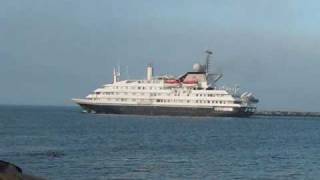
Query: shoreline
point(258, 113)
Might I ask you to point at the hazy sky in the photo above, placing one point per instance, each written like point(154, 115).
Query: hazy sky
point(54, 50)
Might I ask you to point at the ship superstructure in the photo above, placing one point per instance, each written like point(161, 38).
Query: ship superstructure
point(193, 94)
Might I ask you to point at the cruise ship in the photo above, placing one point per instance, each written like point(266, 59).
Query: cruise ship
point(194, 93)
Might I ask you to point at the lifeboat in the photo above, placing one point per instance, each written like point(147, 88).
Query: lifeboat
point(190, 83)
point(172, 83)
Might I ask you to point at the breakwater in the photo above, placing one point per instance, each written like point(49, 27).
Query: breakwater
point(287, 113)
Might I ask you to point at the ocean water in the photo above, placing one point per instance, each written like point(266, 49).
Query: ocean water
point(62, 143)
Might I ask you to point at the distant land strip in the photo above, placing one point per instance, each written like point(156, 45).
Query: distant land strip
point(287, 113)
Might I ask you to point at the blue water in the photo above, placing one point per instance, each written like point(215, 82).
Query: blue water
point(62, 143)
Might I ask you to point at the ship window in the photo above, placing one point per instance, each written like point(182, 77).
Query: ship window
point(139, 87)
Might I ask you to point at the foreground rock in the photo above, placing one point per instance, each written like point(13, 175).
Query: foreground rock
point(10, 171)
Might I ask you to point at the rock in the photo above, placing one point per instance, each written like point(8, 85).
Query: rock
point(9, 171)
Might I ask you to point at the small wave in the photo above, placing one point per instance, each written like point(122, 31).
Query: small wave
point(278, 157)
point(49, 153)
point(176, 161)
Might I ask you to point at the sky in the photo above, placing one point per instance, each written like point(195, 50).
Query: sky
point(52, 51)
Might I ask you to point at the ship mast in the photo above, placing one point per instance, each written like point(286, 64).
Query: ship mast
point(211, 77)
point(209, 53)
point(116, 74)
